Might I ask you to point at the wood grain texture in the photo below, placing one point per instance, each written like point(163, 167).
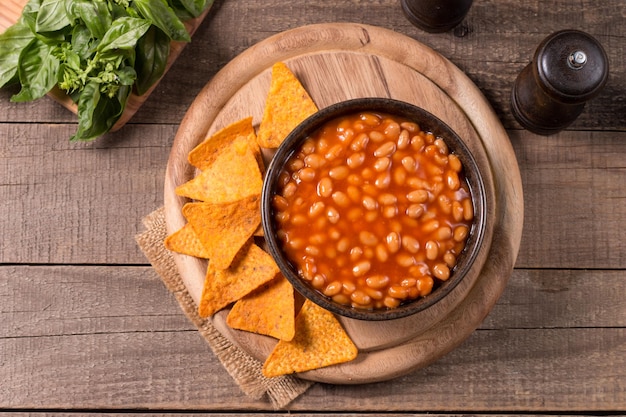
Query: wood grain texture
point(83, 337)
point(73, 337)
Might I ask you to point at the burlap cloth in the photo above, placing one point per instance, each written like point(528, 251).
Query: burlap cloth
point(244, 369)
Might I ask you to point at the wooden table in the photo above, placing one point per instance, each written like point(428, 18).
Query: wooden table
point(87, 326)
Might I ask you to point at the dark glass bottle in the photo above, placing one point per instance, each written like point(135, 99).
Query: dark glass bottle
point(568, 69)
point(436, 15)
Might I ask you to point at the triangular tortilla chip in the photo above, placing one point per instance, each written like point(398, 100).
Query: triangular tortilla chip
point(203, 155)
point(319, 341)
point(287, 105)
point(270, 310)
point(186, 241)
point(224, 228)
point(231, 177)
point(251, 268)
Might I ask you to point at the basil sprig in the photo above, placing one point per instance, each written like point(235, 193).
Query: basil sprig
point(96, 51)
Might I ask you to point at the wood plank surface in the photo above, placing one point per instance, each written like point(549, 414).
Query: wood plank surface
point(87, 328)
point(97, 333)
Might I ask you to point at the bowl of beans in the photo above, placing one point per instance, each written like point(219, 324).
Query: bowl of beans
point(374, 209)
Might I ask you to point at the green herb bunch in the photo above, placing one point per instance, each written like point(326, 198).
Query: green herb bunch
point(96, 51)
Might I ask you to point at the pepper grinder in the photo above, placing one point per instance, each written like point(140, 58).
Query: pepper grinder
point(436, 16)
point(568, 69)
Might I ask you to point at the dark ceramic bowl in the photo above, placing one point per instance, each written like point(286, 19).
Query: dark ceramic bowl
point(427, 122)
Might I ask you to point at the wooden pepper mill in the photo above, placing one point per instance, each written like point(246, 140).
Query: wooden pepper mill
point(436, 16)
point(568, 69)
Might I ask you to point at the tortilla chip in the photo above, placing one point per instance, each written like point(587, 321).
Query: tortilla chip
point(251, 268)
point(270, 310)
point(186, 241)
point(287, 104)
point(319, 341)
point(223, 228)
point(203, 155)
point(233, 175)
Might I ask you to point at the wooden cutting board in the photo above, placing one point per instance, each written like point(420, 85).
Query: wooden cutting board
point(335, 62)
point(10, 13)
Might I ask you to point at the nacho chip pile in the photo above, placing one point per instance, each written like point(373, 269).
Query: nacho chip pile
point(223, 226)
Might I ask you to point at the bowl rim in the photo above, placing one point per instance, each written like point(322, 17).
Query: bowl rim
point(433, 124)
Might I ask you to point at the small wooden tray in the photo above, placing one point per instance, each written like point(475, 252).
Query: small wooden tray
point(337, 62)
point(11, 11)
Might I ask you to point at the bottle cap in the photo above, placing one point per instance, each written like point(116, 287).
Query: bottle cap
point(571, 66)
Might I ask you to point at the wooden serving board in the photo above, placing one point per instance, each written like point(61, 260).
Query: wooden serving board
point(336, 62)
point(10, 13)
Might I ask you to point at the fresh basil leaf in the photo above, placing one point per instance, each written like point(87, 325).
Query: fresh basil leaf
point(196, 7)
point(12, 41)
point(123, 34)
point(163, 17)
point(97, 113)
point(95, 14)
point(38, 71)
point(52, 16)
point(82, 42)
point(153, 50)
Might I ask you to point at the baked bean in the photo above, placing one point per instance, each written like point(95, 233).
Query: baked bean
point(314, 161)
point(381, 253)
point(383, 180)
point(341, 199)
point(340, 172)
point(443, 233)
point(399, 176)
point(312, 250)
point(370, 119)
point(333, 288)
point(430, 226)
point(425, 285)
point(356, 253)
point(382, 164)
point(452, 180)
point(385, 150)
point(361, 268)
point(368, 238)
point(325, 187)
point(457, 211)
point(390, 212)
point(404, 140)
point(418, 196)
point(414, 211)
point(392, 131)
point(377, 136)
point(378, 202)
point(393, 242)
point(334, 152)
point(441, 271)
point(333, 215)
point(460, 233)
point(354, 193)
point(387, 199)
point(360, 142)
point(468, 209)
point(318, 281)
point(370, 203)
point(355, 160)
point(454, 163)
point(432, 250)
point(374, 294)
point(445, 204)
point(360, 297)
point(316, 209)
point(411, 244)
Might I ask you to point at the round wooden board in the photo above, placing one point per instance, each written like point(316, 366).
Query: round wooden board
point(335, 62)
